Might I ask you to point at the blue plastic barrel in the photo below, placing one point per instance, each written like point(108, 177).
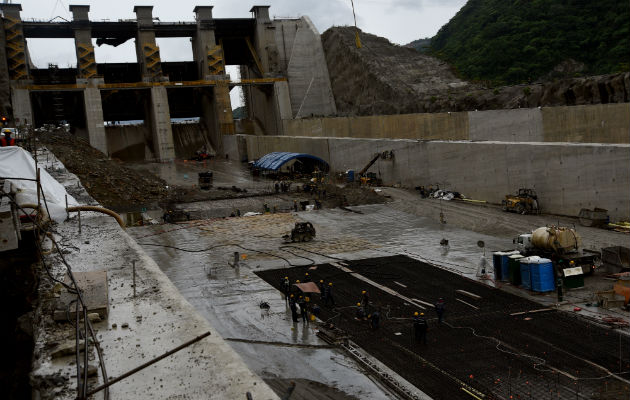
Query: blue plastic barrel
point(542, 275)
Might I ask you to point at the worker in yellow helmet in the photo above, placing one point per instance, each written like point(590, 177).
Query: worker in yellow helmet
point(329, 295)
point(307, 278)
point(285, 286)
point(420, 328)
point(360, 314)
point(322, 291)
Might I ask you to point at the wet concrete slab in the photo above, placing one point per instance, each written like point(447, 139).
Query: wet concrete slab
point(138, 328)
point(199, 253)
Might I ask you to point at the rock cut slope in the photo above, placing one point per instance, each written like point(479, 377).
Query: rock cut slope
point(383, 78)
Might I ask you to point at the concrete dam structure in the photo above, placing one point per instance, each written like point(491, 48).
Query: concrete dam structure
point(281, 61)
point(574, 157)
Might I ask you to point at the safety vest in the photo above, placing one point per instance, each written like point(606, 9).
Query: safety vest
point(4, 142)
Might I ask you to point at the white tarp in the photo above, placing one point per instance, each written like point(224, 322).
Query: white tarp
point(16, 162)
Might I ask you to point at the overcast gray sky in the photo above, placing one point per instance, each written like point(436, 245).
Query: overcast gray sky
point(400, 21)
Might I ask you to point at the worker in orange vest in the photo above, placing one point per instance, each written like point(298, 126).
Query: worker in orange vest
point(7, 140)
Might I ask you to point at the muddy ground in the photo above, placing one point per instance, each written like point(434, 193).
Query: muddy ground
point(480, 347)
point(127, 187)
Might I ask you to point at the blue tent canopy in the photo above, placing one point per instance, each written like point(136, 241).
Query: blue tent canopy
point(273, 161)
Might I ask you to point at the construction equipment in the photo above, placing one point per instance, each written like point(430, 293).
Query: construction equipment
point(525, 202)
point(559, 244)
point(302, 232)
point(372, 161)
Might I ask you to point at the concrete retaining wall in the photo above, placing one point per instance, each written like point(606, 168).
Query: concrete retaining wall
point(567, 177)
point(602, 123)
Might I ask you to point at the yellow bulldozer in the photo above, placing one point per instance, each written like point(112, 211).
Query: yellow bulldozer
point(524, 202)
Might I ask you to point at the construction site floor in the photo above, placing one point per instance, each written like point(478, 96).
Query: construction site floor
point(196, 256)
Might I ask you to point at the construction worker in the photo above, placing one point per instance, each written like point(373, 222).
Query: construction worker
point(322, 290)
point(440, 307)
point(360, 312)
point(295, 205)
point(303, 312)
point(7, 140)
point(293, 307)
point(329, 295)
point(307, 278)
point(365, 298)
point(374, 318)
point(286, 287)
point(420, 328)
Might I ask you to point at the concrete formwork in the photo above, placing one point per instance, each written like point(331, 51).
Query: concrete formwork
point(567, 177)
point(599, 123)
point(520, 125)
point(602, 123)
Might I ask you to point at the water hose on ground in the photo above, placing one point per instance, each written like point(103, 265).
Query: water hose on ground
point(101, 210)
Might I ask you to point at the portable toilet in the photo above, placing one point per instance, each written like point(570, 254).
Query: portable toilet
point(543, 279)
point(525, 270)
point(350, 175)
point(514, 268)
point(497, 260)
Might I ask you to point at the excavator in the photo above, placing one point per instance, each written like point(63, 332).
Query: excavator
point(369, 178)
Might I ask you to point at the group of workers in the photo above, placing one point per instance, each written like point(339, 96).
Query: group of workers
point(300, 306)
point(300, 303)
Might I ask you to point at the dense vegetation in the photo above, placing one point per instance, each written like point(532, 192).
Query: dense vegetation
point(513, 41)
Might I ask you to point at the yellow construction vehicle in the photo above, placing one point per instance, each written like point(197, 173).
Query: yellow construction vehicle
point(525, 202)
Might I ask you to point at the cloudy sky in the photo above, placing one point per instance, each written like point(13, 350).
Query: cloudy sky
point(401, 21)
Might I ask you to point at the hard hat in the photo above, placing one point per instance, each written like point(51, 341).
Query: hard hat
point(415, 314)
point(321, 281)
point(571, 262)
point(363, 292)
point(298, 281)
point(306, 274)
point(291, 295)
point(300, 297)
point(330, 284)
point(286, 277)
point(307, 299)
point(421, 313)
point(358, 304)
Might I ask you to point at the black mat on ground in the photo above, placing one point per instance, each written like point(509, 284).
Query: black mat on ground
point(479, 345)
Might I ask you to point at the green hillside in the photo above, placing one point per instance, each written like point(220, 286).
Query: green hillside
point(513, 41)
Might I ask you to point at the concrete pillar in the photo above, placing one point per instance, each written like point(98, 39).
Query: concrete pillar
point(283, 101)
point(94, 119)
point(86, 62)
point(208, 55)
point(22, 110)
point(15, 42)
point(216, 111)
point(147, 51)
point(265, 41)
point(160, 121)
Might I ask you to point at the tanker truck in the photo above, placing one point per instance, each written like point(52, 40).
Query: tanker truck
point(561, 245)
